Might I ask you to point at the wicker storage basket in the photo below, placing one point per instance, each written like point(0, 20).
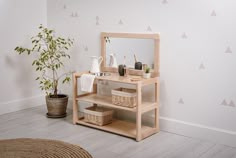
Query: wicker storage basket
point(98, 115)
point(124, 97)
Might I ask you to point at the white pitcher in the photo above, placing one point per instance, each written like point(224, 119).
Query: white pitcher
point(96, 62)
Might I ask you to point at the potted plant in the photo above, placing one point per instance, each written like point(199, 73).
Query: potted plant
point(147, 73)
point(50, 52)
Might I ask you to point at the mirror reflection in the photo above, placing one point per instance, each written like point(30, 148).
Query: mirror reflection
point(123, 51)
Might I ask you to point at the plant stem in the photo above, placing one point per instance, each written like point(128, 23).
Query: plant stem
point(55, 87)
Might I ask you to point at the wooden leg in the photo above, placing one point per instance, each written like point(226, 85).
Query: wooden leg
point(139, 114)
point(75, 112)
point(75, 103)
point(157, 119)
point(138, 127)
point(157, 109)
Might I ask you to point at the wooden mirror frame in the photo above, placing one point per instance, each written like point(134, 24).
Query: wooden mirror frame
point(154, 36)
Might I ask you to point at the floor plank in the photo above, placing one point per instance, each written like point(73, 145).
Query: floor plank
point(32, 123)
point(220, 151)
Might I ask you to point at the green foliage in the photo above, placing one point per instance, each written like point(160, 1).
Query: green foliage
point(51, 52)
point(147, 69)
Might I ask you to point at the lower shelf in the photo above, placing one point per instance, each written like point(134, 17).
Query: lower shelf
point(124, 128)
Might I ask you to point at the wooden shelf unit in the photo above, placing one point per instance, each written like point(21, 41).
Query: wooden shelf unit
point(133, 130)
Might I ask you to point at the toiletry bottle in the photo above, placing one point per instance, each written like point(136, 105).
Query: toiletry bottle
point(125, 71)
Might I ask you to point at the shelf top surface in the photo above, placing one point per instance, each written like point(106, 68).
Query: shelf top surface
point(131, 79)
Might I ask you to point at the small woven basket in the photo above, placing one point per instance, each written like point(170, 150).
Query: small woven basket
point(124, 97)
point(98, 115)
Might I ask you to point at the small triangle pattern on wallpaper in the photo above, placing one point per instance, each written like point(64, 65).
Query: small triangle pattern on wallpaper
point(120, 22)
point(201, 67)
point(231, 103)
point(213, 13)
point(164, 2)
point(181, 101)
point(97, 20)
point(224, 102)
point(149, 28)
point(184, 35)
point(228, 50)
point(74, 14)
point(86, 48)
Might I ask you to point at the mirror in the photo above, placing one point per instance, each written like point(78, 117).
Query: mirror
point(144, 46)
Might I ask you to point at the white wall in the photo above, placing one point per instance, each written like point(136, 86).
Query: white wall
point(198, 88)
point(18, 22)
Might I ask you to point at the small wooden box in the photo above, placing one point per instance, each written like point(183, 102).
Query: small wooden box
point(98, 115)
point(124, 97)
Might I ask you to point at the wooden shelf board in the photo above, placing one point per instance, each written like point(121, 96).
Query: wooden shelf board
point(147, 106)
point(107, 101)
point(103, 100)
point(128, 79)
point(120, 127)
point(116, 78)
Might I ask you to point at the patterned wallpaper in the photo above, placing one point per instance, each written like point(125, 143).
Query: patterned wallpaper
point(197, 49)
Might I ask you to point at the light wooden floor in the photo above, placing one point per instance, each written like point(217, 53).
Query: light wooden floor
point(32, 123)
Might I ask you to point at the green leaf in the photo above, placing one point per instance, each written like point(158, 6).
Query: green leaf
point(34, 62)
point(39, 48)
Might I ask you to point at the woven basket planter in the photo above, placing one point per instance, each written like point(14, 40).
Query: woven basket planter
point(124, 97)
point(98, 115)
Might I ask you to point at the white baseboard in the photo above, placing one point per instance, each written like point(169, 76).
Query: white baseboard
point(21, 104)
point(70, 103)
point(193, 130)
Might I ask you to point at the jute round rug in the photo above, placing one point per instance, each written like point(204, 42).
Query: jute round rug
point(40, 148)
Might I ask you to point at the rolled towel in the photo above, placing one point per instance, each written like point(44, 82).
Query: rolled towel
point(86, 81)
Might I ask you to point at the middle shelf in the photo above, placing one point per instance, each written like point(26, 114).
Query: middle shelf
point(107, 101)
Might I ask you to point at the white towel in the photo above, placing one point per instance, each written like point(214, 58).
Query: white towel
point(86, 81)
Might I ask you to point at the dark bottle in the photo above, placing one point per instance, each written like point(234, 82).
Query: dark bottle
point(122, 70)
point(137, 65)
